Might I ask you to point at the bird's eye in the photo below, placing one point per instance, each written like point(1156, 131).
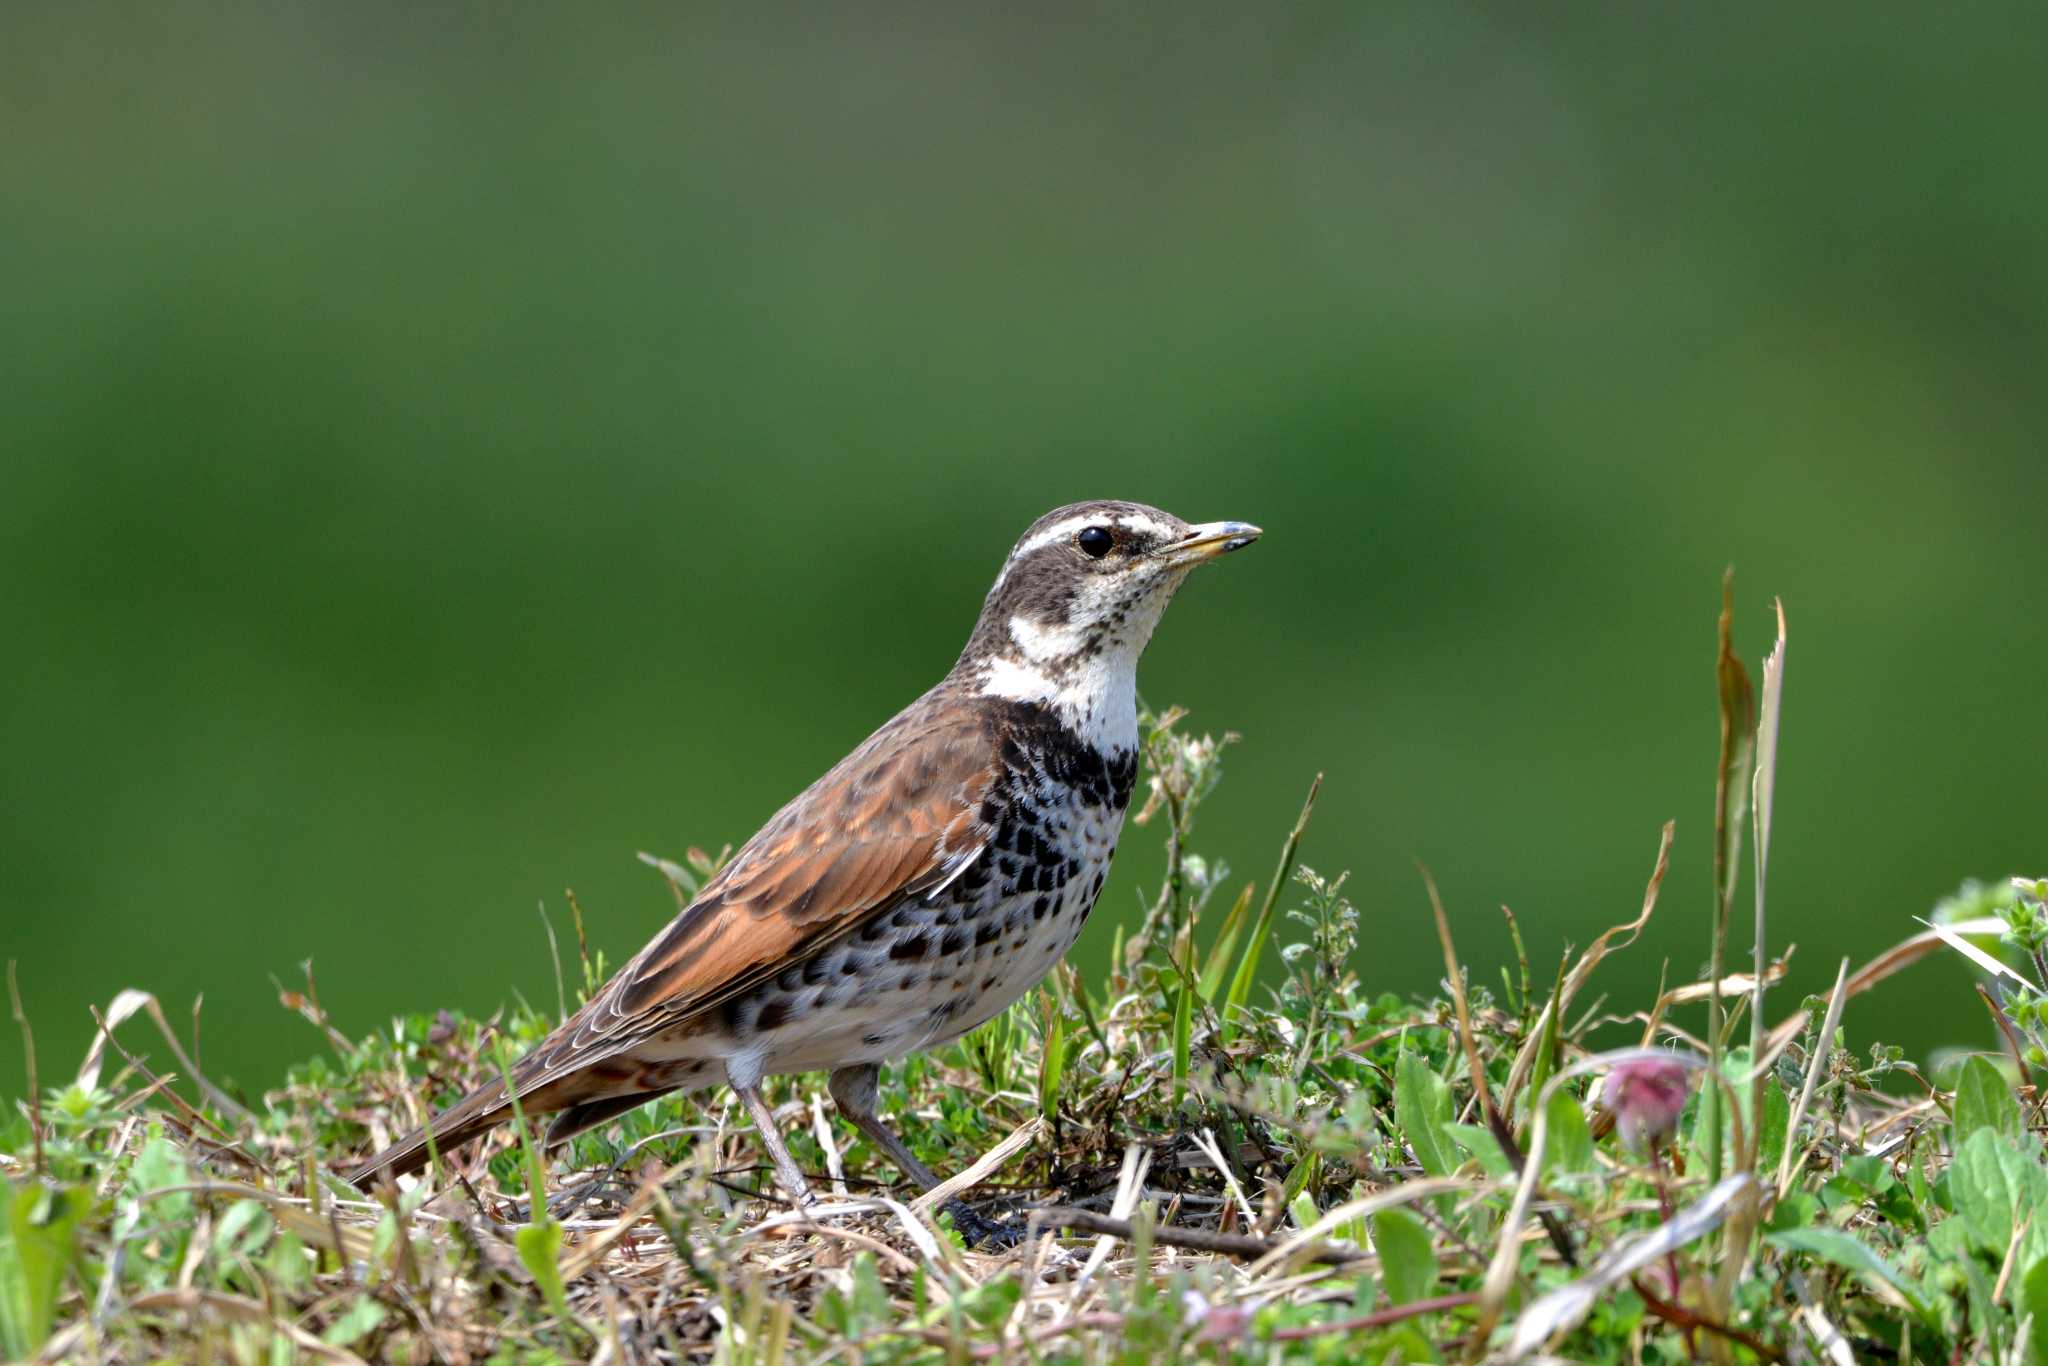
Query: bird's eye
point(1095, 542)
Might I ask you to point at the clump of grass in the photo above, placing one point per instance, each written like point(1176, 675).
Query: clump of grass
point(1235, 1150)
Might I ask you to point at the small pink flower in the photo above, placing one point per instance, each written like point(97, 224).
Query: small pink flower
point(1647, 1096)
point(1214, 1322)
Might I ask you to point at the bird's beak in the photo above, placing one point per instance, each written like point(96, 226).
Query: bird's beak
point(1210, 539)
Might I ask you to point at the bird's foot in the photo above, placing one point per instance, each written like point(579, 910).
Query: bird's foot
point(978, 1230)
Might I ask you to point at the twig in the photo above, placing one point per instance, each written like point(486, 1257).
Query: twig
point(1194, 1239)
point(1379, 1318)
point(1679, 1316)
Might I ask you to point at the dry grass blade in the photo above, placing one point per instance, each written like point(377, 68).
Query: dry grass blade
point(1454, 978)
point(982, 1168)
point(124, 1007)
point(590, 1251)
point(1734, 984)
point(1206, 1141)
point(1763, 791)
point(936, 1250)
point(1731, 798)
point(1949, 936)
point(1826, 1336)
point(1196, 1239)
point(1907, 952)
point(239, 1309)
point(1814, 1067)
point(1130, 1183)
point(1407, 1193)
point(1561, 999)
point(352, 1239)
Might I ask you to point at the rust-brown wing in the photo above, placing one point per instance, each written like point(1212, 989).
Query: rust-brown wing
point(897, 818)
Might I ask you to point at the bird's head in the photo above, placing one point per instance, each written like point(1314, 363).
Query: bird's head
point(1078, 597)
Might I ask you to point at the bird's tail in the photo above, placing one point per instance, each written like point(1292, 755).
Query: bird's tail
point(475, 1115)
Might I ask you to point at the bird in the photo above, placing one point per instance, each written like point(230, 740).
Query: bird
point(928, 880)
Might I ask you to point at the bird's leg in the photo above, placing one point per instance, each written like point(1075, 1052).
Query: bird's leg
point(853, 1091)
point(787, 1174)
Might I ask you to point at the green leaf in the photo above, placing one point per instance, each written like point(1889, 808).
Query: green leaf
point(37, 1238)
point(1248, 966)
point(1407, 1261)
point(1054, 1061)
point(1302, 1209)
point(990, 1303)
point(869, 1302)
point(1478, 1142)
point(1422, 1107)
point(1304, 1172)
point(244, 1229)
point(1226, 943)
point(159, 1166)
point(1569, 1147)
point(1996, 1181)
point(2033, 1301)
point(540, 1252)
point(288, 1265)
point(1796, 1210)
point(1851, 1254)
point(1777, 1120)
point(1984, 1101)
point(359, 1318)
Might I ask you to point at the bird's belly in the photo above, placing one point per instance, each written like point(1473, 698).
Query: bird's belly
point(925, 974)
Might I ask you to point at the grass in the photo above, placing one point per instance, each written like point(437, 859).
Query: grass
point(1311, 1170)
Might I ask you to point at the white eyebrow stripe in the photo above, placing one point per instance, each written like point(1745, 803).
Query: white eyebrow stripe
point(1058, 531)
point(1061, 530)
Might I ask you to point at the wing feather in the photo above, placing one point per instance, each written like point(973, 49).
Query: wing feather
point(900, 817)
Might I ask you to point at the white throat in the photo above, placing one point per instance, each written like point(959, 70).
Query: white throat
point(1097, 698)
point(1088, 677)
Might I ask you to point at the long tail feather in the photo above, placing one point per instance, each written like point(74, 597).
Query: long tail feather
point(475, 1115)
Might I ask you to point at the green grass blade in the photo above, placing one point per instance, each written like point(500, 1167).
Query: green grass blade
point(36, 1244)
point(1226, 943)
point(1422, 1107)
point(1248, 966)
point(1053, 1063)
point(1183, 1037)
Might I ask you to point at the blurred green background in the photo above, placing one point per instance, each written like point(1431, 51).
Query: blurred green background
point(447, 450)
